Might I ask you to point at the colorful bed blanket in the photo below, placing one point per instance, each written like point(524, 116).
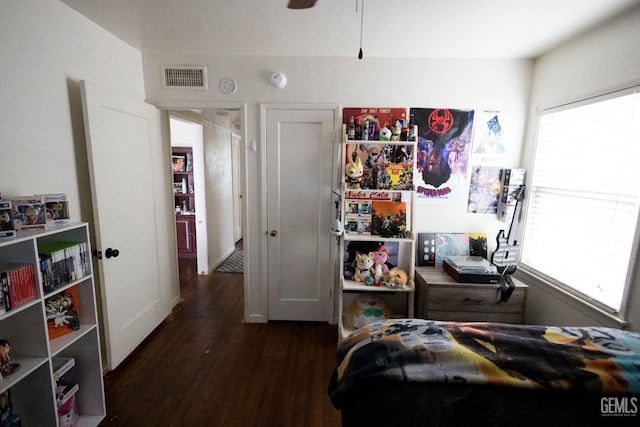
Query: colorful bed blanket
point(586, 359)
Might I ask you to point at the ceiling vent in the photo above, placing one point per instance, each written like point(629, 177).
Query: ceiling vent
point(184, 77)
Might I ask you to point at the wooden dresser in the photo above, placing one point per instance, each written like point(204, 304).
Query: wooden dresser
point(440, 297)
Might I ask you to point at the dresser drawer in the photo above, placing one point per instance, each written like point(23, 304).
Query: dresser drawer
point(440, 297)
point(475, 316)
point(472, 298)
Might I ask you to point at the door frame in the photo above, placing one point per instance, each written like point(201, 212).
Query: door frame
point(164, 108)
point(264, 108)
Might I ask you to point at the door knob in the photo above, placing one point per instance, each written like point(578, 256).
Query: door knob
point(111, 253)
point(273, 233)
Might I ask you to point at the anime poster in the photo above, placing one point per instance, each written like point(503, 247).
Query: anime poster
point(489, 146)
point(484, 190)
point(444, 145)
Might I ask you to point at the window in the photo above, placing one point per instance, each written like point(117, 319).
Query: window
point(582, 207)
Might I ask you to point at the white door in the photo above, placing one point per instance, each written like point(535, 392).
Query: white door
point(123, 136)
point(299, 158)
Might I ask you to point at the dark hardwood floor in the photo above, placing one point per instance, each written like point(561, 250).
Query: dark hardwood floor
point(203, 366)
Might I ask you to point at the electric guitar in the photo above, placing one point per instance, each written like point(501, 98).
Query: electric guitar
point(504, 257)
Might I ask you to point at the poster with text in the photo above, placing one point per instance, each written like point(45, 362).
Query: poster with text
point(444, 150)
point(490, 140)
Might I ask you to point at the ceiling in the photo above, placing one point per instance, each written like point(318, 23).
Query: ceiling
point(392, 28)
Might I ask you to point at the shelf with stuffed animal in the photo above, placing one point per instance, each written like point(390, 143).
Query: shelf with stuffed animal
point(375, 217)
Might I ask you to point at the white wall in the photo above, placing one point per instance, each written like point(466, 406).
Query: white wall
point(46, 48)
point(496, 84)
point(598, 62)
point(219, 187)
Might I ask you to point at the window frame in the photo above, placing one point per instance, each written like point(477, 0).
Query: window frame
point(567, 292)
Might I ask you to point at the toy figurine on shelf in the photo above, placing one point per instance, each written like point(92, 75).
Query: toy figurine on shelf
point(385, 134)
point(7, 417)
point(6, 367)
point(354, 171)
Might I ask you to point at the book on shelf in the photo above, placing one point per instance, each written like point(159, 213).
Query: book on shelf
point(61, 365)
point(62, 263)
point(62, 311)
point(65, 389)
point(18, 283)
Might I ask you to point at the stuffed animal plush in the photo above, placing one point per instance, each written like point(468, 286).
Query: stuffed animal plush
point(396, 277)
point(366, 309)
point(380, 268)
point(364, 268)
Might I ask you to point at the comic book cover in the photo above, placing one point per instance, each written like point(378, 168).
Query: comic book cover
point(389, 218)
point(394, 176)
point(357, 216)
point(62, 312)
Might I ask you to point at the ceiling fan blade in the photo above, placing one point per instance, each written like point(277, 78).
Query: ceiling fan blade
point(301, 4)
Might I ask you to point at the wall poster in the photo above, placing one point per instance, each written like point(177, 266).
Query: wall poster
point(489, 142)
point(444, 145)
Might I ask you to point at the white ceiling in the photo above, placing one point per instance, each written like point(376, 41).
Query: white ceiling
point(392, 28)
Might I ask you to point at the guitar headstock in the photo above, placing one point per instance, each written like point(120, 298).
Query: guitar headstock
point(518, 195)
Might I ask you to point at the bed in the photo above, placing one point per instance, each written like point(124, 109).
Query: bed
point(416, 372)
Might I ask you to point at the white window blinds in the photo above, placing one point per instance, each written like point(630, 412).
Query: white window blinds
point(584, 196)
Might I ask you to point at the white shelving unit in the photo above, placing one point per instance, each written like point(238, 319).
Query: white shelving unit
point(357, 238)
point(32, 387)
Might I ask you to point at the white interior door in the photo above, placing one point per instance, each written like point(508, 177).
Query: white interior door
point(121, 134)
point(299, 158)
